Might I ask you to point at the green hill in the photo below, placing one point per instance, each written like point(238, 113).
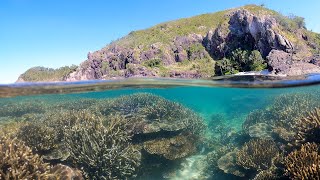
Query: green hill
point(241, 39)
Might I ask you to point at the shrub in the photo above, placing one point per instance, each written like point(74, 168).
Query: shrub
point(153, 63)
point(240, 60)
point(299, 21)
point(256, 62)
point(290, 23)
point(224, 67)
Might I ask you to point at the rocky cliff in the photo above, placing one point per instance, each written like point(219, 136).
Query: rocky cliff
point(241, 39)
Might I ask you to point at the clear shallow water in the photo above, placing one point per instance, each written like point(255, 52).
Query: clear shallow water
point(163, 129)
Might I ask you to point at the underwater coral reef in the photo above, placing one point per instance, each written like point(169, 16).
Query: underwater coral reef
point(143, 136)
point(109, 138)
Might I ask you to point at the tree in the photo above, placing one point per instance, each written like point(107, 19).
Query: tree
point(256, 62)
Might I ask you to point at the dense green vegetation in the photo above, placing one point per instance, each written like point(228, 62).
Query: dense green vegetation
point(47, 74)
point(241, 60)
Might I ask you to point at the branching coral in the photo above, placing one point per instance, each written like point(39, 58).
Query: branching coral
point(304, 163)
point(11, 129)
point(254, 117)
point(39, 137)
point(45, 134)
point(102, 151)
point(288, 107)
point(284, 111)
point(257, 154)
point(309, 127)
point(151, 109)
point(18, 162)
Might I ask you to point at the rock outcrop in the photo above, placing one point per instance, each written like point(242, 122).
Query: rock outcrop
point(117, 61)
point(247, 31)
point(281, 62)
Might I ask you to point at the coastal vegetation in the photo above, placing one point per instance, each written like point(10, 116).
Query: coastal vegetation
point(36, 74)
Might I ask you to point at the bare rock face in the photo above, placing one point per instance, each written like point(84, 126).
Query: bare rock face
point(103, 62)
point(314, 60)
point(247, 31)
point(116, 61)
point(280, 62)
point(182, 44)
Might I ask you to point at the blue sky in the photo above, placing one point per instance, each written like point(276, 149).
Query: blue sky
point(55, 33)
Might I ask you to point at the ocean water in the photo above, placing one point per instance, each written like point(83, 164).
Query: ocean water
point(161, 129)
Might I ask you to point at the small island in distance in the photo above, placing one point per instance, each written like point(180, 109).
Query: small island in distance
point(248, 38)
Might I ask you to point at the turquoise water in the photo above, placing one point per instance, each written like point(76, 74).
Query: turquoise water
point(183, 132)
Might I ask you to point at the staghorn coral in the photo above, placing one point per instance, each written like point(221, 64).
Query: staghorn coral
point(257, 154)
point(39, 137)
point(18, 162)
point(10, 129)
point(285, 117)
point(103, 151)
point(309, 127)
point(45, 133)
point(172, 148)
point(303, 163)
point(255, 117)
point(289, 107)
point(284, 111)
